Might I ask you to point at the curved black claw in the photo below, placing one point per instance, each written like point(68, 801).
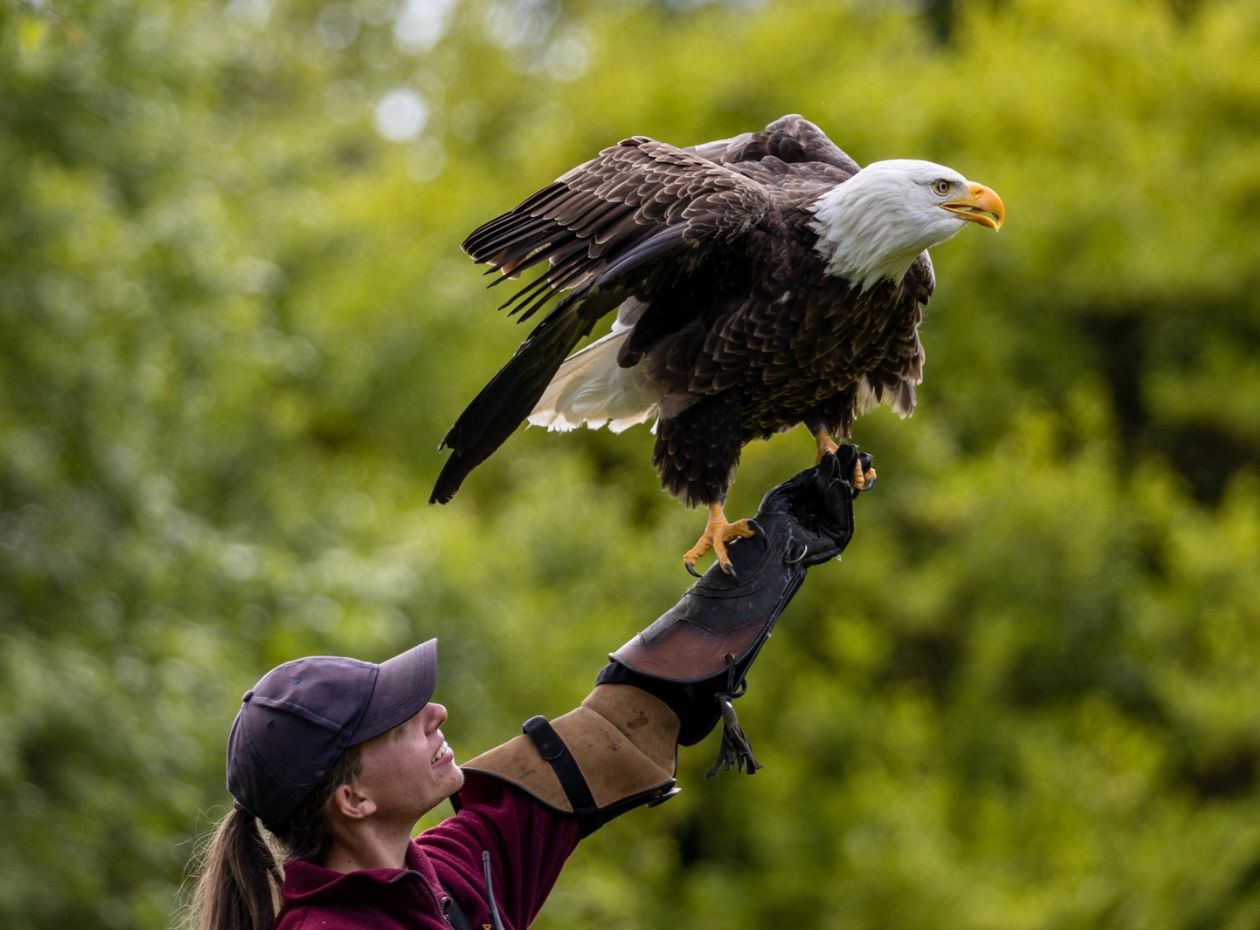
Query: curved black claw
point(729, 569)
point(691, 569)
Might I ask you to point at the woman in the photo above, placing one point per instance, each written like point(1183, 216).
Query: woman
point(338, 759)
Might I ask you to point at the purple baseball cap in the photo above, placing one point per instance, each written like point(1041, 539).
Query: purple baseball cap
point(302, 715)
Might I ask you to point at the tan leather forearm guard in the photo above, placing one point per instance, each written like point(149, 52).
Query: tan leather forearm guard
point(622, 743)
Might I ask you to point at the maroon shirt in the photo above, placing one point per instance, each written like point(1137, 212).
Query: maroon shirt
point(528, 845)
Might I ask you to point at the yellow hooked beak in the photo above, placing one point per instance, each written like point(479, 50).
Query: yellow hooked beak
point(981, 205)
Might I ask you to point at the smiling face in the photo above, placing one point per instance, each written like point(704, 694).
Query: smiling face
point(409, 770)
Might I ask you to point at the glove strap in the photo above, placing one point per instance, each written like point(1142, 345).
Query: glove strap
point(556, 754)
point(615, 752)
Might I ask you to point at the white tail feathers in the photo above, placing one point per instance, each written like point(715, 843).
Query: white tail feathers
point(592, 389)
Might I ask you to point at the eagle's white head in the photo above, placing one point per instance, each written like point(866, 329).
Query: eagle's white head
point(874, 225)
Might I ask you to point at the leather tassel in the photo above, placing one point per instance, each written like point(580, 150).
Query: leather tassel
point(735, 752)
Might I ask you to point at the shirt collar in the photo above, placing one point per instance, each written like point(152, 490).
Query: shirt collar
point(308, 883)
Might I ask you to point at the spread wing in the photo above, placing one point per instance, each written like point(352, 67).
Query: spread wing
point(602, 228)
point(634, 201)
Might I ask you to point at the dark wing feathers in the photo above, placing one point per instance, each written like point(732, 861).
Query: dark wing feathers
point(502, 404)
point(598, 228)
point(791, 139)
point(610, 203)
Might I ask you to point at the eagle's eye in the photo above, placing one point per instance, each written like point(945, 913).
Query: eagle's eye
point(941, 186)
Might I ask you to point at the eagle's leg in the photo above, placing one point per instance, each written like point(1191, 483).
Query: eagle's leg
point(828, 445)
point(717, 533)
point(825, 445)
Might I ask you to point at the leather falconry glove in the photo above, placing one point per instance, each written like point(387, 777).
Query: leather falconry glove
point(696, 656)
point(672, 682)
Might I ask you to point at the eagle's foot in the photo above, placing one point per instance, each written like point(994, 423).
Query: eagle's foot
point(863, 479)
point(717, 533)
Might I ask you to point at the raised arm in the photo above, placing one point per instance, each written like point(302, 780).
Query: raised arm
point(528, 801)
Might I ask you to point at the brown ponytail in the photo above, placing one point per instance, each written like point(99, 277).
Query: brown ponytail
point(239, 886)
point(240, 878)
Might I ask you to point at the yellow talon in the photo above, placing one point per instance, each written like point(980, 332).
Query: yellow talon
point(717, 533)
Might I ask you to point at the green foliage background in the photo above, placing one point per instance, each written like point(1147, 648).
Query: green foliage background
point(235, 324)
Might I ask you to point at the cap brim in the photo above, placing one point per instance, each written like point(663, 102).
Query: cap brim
point(404, 685)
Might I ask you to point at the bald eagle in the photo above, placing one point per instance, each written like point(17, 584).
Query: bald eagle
point(760, 282)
